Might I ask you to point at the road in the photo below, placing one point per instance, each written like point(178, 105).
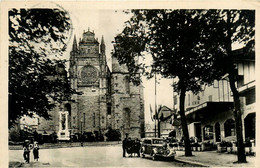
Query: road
point(90, 156)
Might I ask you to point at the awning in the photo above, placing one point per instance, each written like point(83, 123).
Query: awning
point(207, 109)
point(247, 87)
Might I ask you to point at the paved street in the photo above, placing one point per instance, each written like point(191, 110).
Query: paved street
point(90, 156)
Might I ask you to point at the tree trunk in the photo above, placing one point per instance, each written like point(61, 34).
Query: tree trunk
point(184, 123)
point(241, 156)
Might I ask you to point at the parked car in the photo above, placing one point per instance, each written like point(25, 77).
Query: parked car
point(156, 148)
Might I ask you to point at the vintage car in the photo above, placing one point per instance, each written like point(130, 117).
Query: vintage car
point(156, 148)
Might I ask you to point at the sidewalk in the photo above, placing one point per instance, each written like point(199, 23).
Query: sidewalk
point(214, 159)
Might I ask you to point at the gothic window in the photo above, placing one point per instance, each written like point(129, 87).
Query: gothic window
point(63, 120)
point(74, 120)
point(127, 117)
point(127, 84)
point(89, 74)
point(109, 109)
point(103, 120)
point(67, 108)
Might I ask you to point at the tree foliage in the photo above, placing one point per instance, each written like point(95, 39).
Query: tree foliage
point(192, 45)
point(37, 37)
point(182, 45)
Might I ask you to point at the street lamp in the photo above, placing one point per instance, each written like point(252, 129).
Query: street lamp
point(81, 136)
point(155, 104)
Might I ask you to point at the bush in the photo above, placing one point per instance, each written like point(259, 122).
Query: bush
point(38, 137)
point(113, 135)
point(53, 137)
point(88, 136)
point(14, 135)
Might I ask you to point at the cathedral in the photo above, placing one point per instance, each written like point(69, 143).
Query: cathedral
point(106, 98)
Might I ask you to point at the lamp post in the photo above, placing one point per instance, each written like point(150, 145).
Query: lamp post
point(81, 135)
point(156, 115)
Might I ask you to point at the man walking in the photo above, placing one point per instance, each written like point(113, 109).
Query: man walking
point(124, 144)
point(26, 151)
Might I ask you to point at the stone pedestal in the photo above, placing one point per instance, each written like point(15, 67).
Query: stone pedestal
point(63, 133)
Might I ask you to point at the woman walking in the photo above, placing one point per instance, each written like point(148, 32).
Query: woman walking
point(36, 151)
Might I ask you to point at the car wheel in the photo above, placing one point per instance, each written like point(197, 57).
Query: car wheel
point(154, 157)
point(142, 153)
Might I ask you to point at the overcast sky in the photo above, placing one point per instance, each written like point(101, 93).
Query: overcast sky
point(109, 23)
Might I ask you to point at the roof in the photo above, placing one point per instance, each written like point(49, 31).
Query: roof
point(162, 113)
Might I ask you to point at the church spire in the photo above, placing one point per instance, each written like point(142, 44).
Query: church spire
point(74, 46)
point(102, 46)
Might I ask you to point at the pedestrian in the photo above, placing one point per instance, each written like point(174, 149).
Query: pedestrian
point(124, 144)
point(137, 146)
point(26, 151)
point(36, 151)
point(130, 146)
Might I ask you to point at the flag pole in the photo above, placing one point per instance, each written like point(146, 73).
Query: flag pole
point(156, 115)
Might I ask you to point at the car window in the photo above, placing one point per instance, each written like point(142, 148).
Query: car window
point(158, 141)
point(147, 141)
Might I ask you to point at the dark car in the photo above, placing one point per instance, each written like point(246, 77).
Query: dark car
point(156, 148)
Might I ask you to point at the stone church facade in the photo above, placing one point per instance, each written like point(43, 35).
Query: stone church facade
point(106, 99)
point(127, 103)
point(89, 75)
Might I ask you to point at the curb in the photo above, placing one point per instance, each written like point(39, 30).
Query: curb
point(18, 164)
point(193, 162)
point(53, 146)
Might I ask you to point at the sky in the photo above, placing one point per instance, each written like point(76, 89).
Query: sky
point(109, 23)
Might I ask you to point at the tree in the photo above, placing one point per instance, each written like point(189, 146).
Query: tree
point(239, 27)
point(182, 45)
point(37, 37)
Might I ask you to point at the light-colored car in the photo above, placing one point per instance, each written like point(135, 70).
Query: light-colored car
point(156, 148)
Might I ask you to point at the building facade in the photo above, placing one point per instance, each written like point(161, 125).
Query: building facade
point(105, 99)
point(127, 103)
point(165, 115)
point(89, 77)
point(210, 113)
